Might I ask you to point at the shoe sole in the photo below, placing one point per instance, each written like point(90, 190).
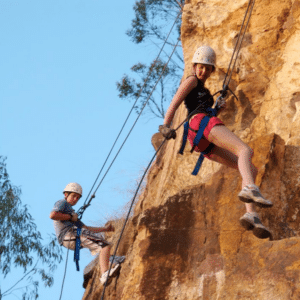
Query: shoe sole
point(247, 225)
point(261, 233)
point(259, 204)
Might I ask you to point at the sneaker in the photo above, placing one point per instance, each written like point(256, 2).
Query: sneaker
point(251, 193)
point(114, 270)
point(103, 278)
point(117, 259)
point(251, 221)
point(113, 273)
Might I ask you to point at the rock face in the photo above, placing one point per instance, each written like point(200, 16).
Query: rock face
point(184, 241)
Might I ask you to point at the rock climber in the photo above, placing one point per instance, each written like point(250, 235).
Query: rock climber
point(218, 143)
point(66, 222)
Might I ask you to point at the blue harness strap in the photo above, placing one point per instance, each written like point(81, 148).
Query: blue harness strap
point(196, 141)
point(77, 247)
point(211, 113)
point(199, 134)
point(201, 158)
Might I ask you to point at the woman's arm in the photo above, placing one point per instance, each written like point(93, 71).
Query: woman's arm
point(184, 89)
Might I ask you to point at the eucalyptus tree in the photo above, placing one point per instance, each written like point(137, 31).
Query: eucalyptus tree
point(151, 25)
point(22, 250)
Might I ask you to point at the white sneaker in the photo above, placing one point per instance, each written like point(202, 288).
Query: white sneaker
point(251, 221)
point(113, 273)
point(251, 193)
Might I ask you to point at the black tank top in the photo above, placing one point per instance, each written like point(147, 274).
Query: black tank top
point(199, 96)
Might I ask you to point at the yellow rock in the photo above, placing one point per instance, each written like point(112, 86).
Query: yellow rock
point(184, 241)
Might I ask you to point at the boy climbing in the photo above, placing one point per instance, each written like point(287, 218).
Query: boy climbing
point(217, 143)
point(66, 223)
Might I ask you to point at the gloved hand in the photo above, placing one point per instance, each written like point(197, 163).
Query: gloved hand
point(167, 132)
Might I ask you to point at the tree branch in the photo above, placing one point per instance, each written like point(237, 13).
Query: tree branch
point(20, 279)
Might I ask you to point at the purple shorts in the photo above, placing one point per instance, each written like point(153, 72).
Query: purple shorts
point(194, 124)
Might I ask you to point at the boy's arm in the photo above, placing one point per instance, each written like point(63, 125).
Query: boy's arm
point(59, 216)
point(99, 229)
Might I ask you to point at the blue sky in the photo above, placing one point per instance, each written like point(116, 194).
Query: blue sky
point(60, 111)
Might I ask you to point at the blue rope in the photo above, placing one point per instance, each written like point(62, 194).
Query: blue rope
point(198, 164)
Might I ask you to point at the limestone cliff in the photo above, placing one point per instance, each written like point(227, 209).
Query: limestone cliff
point(184, 241)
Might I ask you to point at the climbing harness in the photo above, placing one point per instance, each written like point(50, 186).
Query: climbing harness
point(212, 113)
point(206, 53)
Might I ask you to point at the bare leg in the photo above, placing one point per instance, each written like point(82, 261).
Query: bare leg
point(231, 151)
point(225, 139)
point(104, 259)
point(229, 159)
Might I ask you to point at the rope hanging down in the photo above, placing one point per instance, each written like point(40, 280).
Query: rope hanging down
point(88, 200)
point(137, 117)
point(236, 52)
point(82, 209)
point(86, 204)
point(222, 95)
point(136, 193)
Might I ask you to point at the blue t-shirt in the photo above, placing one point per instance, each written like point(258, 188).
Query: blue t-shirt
point(62, 227)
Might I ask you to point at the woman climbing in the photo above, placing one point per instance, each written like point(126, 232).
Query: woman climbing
point(218, 143)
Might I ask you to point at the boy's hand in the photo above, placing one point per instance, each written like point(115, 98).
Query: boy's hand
point(109, 228)
point(74, 217)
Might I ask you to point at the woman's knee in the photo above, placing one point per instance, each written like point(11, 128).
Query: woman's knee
point(106, 248)
point(245, 151)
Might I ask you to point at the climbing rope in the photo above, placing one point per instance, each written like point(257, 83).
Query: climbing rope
point(236, 51)
point(89, 198)
point(137, 190)
point(84, 207)
point(63, 282)
point(66, 265)
point(137, 117)
point(222, 92)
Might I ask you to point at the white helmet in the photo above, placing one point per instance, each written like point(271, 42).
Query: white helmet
point(73, 187)
point(205, 55)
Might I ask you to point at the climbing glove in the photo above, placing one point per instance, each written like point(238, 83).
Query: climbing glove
point(167, 132)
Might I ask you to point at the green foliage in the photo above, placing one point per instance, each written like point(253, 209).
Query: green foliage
point(152, 17)
point(130, 88)
point(21, 244)
point(152, 22)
